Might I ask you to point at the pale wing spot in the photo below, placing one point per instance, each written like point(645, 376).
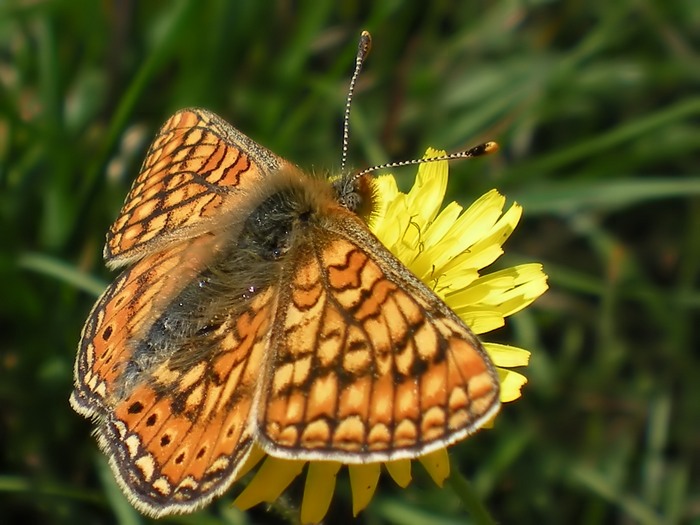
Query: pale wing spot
point(146, 465)
point(188, 483)
point(446, 328)
point(405, 359)
point(143, 211)
point(212, 401)
point(481, 404)
point(91, 381)
point(459, 420)
point(409, 309)
point(132, 232)
point(196, 137)
point(369, 272)
point(426, 341)
point(302, 369)
point(330, 354)
point(336, 253)
point(349, 297)
point(207, 485)
point(480, 386)
point(295, 407)
point(282, 378)
point(433, 386)
point(148, 194)
point(166, 376)
point(316, 434)
point(394, 318)
point(458, 399)
point(158, 223)
point(226, 363)
point(357, 362)
point(101, 389)
point(121, 431)
point(331, 335)
point(382, 401)
point(405, 434)
point(433, 424)
point(299, 318)
point(287, 437)
point(350, 431)
point(354, 399)
point(195, 398)
point(323, 397)
point(327, 352)
point(379, 333)
point(384, 363)
point(162, 486)
point(221, 463)
point(133, 445)
point(379, 437)
point(178, 180)
point(407, 404)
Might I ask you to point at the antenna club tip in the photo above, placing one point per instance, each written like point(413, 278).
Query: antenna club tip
point(365, 44)
point(491, 147)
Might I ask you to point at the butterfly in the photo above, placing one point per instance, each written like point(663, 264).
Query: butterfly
point(256, 307)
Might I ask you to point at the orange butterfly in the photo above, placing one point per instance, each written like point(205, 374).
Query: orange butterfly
point(257, 307)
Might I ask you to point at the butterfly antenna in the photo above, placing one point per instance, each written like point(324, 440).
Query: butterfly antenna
point(363, 48)
point(476, 151)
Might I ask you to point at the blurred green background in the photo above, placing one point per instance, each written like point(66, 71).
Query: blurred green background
point(596, 106)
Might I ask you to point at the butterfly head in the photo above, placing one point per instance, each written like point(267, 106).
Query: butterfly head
point(357, 193)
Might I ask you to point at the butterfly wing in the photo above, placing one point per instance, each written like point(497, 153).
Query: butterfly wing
point(178, 440)
point(198, 167)
point(109, 357)
point(172, 393)
point(367, 363)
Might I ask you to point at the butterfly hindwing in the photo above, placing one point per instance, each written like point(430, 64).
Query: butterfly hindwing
point(179, 439)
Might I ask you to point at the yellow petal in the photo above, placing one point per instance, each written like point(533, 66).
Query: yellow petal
point(363, 481)
point(507, 291)
point(511, 383)
point(386, 192)
point(437, 464)
point(478, 220)
point(480, 321)
point(400, 471)
point(508, 356)
point(318, 490)
point(442, 224)
point(432, 246)
point(269, 482)
point(487, 246)
point(428, 191)
point(456, 279)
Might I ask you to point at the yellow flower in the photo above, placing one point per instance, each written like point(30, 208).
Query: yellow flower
point(446, 248)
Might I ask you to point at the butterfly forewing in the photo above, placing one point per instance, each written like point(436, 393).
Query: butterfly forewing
point(197, 168)
point(367, 363)
point(112, 353)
